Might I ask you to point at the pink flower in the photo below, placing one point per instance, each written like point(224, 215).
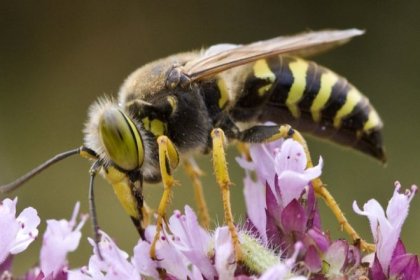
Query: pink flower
point(281, 165)
point(281, 204)
point(386, 227)
point(16, 233)
point(290, 166)
point(182, 253)
point(60, 238)
point(142, 261)
point(287, 160)
point(113, 265)
point(192, 240)
point(172, 260)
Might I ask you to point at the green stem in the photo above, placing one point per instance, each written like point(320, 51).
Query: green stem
point(255, 256)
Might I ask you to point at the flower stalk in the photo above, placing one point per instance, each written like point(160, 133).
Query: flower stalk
point(256, 257)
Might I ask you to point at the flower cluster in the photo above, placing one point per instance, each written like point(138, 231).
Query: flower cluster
point(282, 237)
point(391, 259)
point(16, 233)
point(289, 213)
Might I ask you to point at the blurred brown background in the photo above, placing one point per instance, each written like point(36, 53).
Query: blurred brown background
point(57, 58)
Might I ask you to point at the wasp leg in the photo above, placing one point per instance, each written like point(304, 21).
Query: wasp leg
point(243, 149)
point(194, 172)
point(261, 134)
point(168, 160)
point(322, 191)
point(147, 214)
point(222, 178)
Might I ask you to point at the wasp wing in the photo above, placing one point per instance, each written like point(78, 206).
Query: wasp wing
point(221, 57)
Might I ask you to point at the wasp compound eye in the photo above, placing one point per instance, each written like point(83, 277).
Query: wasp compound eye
point(121, 139)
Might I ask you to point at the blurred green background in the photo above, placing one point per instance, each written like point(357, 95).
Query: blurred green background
point(57, 57)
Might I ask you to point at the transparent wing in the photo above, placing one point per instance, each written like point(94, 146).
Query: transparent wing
point(221, 57)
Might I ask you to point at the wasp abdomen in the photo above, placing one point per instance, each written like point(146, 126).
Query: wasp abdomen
point(312, 99)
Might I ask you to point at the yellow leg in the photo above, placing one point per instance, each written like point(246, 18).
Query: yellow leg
point(322, 191)
point(222, 177)
point(147, 213)
point(243, 149)
point(168, 160)
point(194, 172)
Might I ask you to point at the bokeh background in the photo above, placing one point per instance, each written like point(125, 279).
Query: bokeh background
point(57, 57)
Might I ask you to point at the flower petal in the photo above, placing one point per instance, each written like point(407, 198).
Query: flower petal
point(192, 240)
point(291, 157)
point(60, 238)
point(386, 230)
point(398, 205)
point(335, 257)
point(291, 185)
point(169, 257)
point(293, 217)
point(6, 265)
point(8, 231)
point(320, 239)
point(16, 233)
point(224, 254)
point(312, 259)
point(113, 265)
point(376, 271)
point(255, 201)
point(28, 221)
point(293, 182)
point(142, 261)
point(263, 156)
point(376, 215)
point(405, 267)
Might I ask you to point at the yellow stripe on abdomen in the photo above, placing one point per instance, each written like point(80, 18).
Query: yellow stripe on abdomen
point(262, 71)
point(328, 80)
point(352, 99)
point(373, 121)
point(298, 69)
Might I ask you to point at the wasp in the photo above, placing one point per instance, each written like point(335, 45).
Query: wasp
point(194, 102)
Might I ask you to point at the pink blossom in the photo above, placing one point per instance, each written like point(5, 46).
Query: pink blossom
point(281, 165)
point(386, 227)
point(113, 265)
point(173, 261)
point(182, 253)
point(60, 238)
point(293, 176)
point(16, 233)
point(142, 261)
point(192, 240)
point(287, 160)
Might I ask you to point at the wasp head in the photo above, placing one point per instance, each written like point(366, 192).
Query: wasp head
point(114, 136)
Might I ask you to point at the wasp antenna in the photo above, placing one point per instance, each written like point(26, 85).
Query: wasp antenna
point(21, 180)
point(92, 208)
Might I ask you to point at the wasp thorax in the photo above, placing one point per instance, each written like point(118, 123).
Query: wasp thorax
point(121, 139)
